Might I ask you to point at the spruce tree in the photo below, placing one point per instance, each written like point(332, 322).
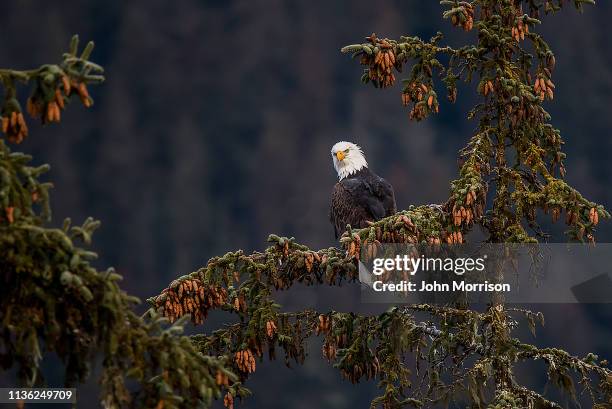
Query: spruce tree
point(53, 300)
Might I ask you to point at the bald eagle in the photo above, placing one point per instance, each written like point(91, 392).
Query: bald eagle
point(360, 195)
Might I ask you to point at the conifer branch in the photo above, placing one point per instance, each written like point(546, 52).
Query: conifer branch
point(52, 87)
point(514, 149)
point(53, 300)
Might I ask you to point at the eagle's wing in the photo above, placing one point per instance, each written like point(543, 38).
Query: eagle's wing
point(385, 192)
point(376, 195)
point(357, 200)
point(368, 194)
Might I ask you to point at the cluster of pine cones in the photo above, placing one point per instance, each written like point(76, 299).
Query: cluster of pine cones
point(380, 62)
point(190, 297)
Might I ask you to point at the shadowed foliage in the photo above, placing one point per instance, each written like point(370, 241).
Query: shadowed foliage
point(52, 299)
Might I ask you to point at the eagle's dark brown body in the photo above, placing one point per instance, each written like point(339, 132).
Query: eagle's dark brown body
point(361, 197)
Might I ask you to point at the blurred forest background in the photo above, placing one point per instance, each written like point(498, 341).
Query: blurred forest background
point(214, 129)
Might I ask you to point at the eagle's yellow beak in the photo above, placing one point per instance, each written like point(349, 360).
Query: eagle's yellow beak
point(340, 155)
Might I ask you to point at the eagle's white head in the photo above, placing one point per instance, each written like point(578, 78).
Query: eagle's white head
point(348, 159)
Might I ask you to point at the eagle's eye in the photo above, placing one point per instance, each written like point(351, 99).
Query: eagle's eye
point(347, 150)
